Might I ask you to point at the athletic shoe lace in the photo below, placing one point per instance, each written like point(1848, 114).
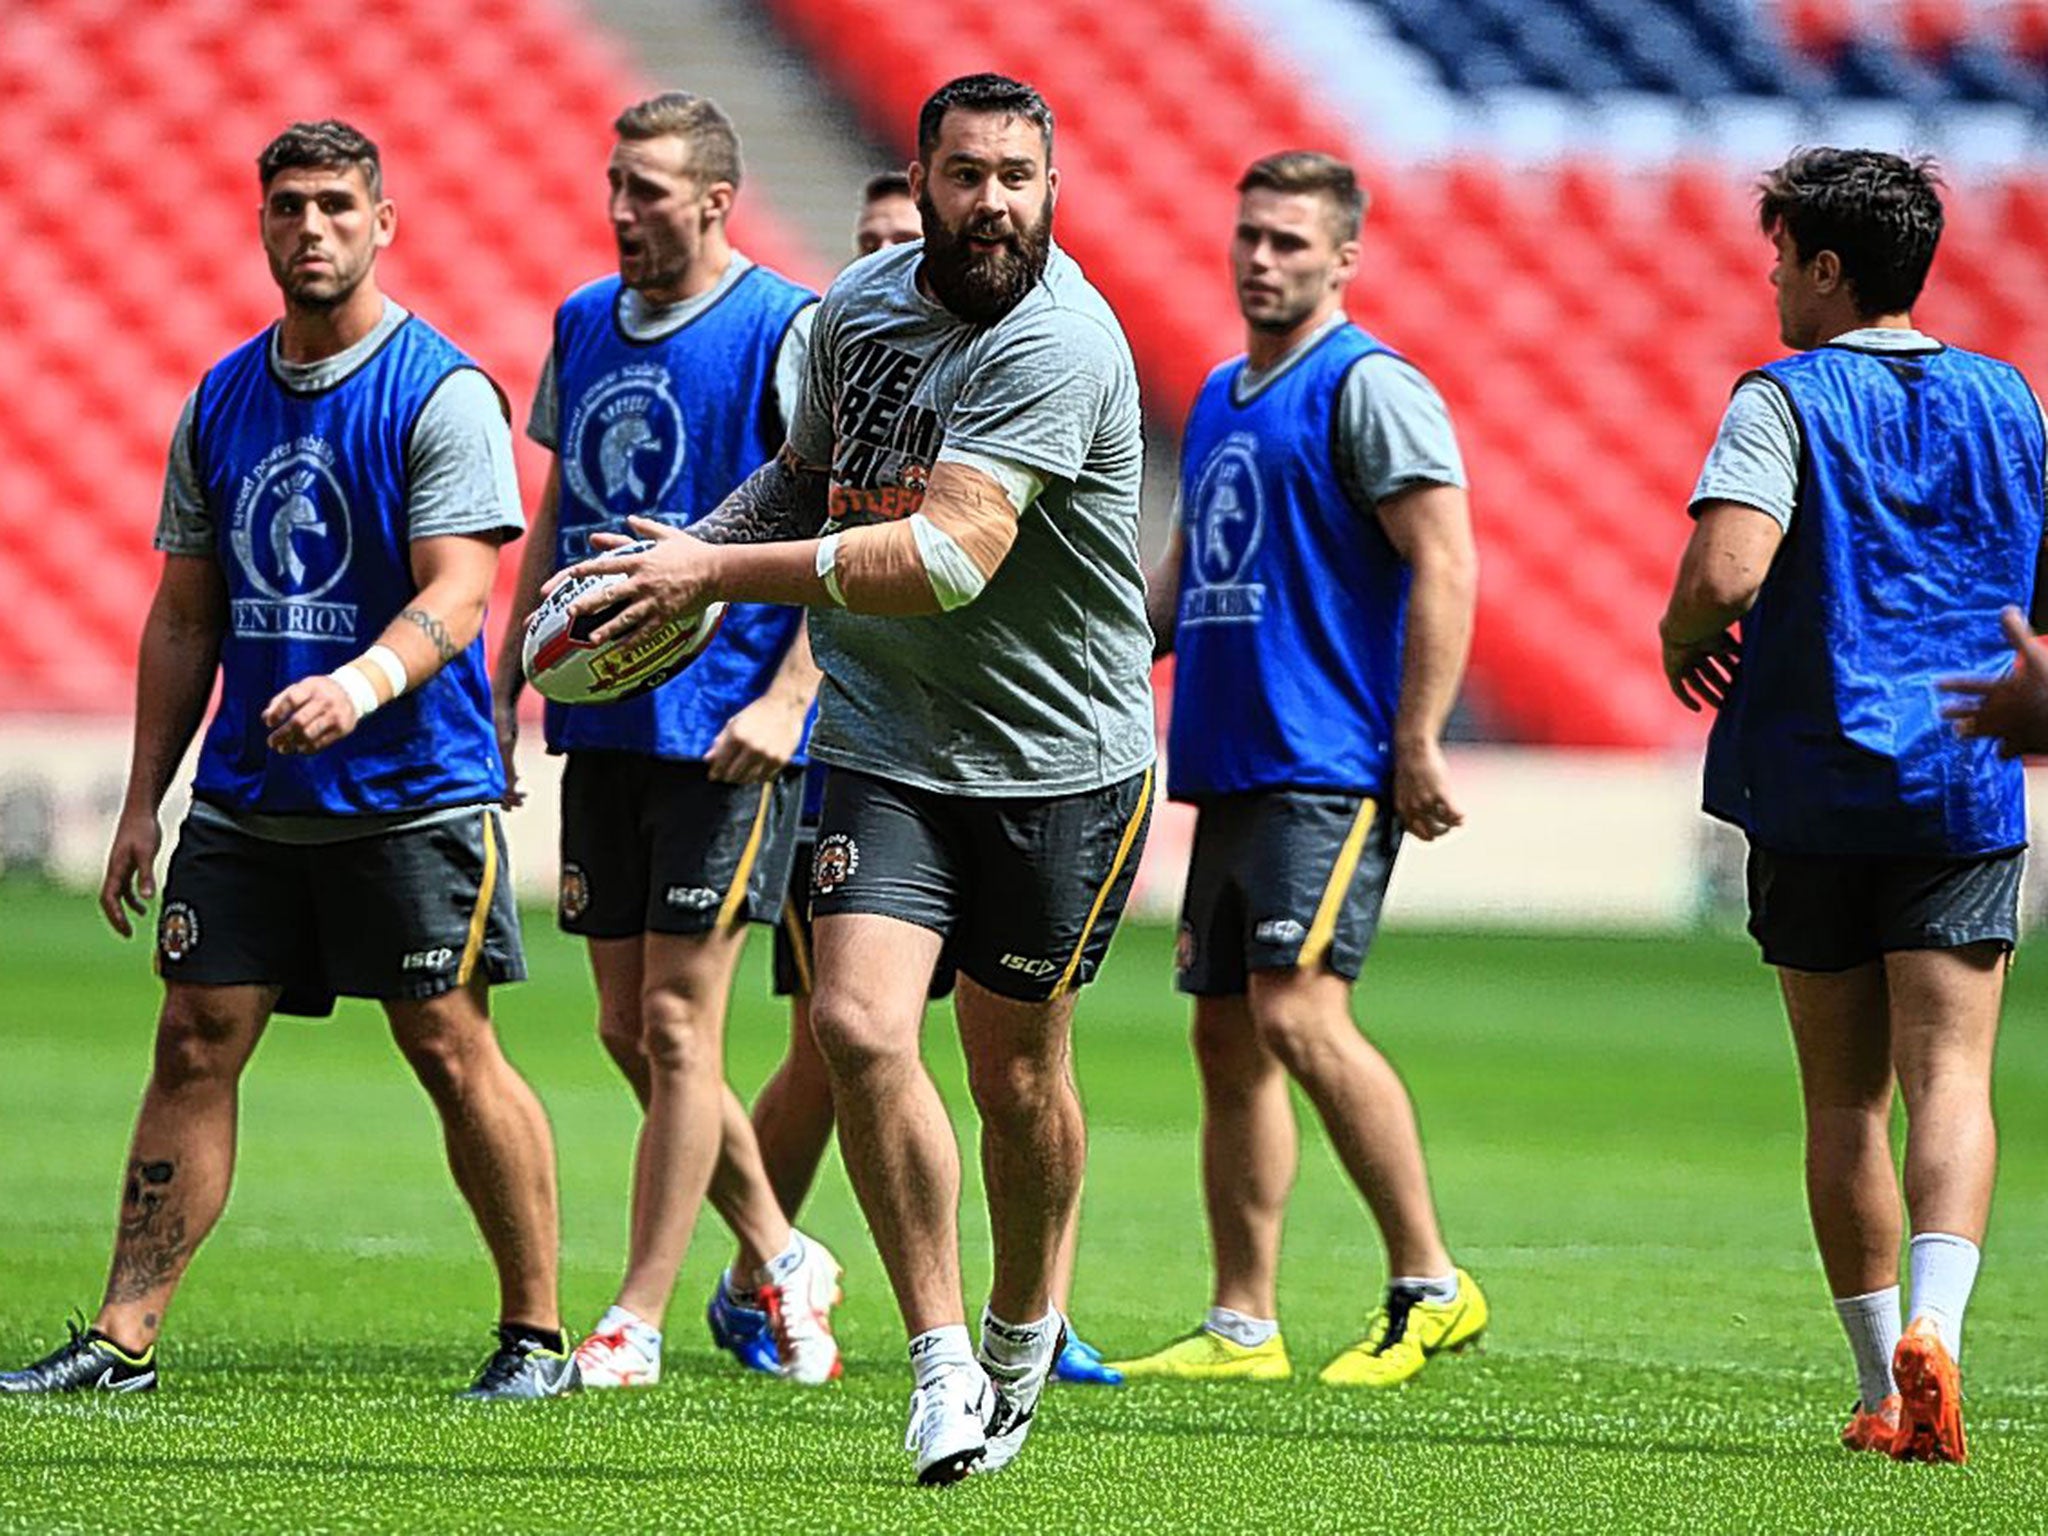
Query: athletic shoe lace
point(502, 1369)
point(1389, 1324)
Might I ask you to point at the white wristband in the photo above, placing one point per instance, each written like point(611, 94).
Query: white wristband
point(358, 689)
point(828, 567)
point(388, 661)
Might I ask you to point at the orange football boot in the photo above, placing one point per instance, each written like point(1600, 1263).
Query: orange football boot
point(1930, 1398)
point(1873, 1429)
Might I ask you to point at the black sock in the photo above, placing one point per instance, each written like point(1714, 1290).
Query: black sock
point(549, 1339)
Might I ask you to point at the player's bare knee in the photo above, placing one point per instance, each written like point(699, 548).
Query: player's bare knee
point(1226, 1051)
point(1299, 1038)
point(198, 1041)
point(619, 1031)
point(678, 1034)
point(854, 1040)
point(1016, 1090)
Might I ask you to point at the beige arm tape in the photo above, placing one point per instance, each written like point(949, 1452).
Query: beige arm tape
point(882, 570)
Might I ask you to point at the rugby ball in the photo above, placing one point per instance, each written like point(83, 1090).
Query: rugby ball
point(566, 665)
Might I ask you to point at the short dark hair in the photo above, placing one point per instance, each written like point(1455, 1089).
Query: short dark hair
point(981, 93)
point(884, 184)
point(322, 145)
point(1880, 214)
point(713, 142)
point(1310, 170)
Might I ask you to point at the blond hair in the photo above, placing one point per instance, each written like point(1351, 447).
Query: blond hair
point(696, 120)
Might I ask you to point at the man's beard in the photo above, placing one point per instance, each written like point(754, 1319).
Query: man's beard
point(322, 294)
point(980, 287)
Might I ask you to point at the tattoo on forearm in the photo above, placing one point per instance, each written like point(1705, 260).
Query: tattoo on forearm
point(435, 631)
point(150, 1246)
point(781, 500)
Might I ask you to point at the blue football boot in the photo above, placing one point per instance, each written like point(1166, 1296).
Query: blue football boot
point(742, 1331)
point(1081, 1364)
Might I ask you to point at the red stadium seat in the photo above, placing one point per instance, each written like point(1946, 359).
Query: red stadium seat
point(125, 308)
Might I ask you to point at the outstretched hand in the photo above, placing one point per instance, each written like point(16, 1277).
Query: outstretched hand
point(2011, 709)
point(662, 583)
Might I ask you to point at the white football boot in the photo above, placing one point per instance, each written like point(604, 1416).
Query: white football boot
point(1019, 1362)
point(799, 1308)
point(948, 1435)
point(620, 1354)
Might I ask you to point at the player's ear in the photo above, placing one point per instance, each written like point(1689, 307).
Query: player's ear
point(1349, 253)
point(718, 200)
point(915, 171)
point(1827, 272)
point(1052, 184)
point(386, 216)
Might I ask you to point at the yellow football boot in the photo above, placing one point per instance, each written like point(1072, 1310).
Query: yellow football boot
point(1207, 1356)
point(1406, 1332)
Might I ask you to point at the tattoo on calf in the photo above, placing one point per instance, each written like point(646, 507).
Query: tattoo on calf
point(782, 500)
point(434, 630)
point(150, 1245)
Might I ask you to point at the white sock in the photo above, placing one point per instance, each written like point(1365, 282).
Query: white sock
point(1250, 1332)
point(1018, 1344)
point(1872, 1323)
point(645, 1336)
point(784, 1264)
point(1944, 1268)
point(1441, 1291)
point(934, 1353)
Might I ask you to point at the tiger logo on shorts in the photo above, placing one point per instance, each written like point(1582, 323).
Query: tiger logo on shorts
point(177, 934)
point(574, 899)
point(837, 861)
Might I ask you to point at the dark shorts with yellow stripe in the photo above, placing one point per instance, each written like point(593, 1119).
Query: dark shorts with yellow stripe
point(792, 969)
point(654, 846)
point(1026, 890)
point(401, 915)
point(1283, 878)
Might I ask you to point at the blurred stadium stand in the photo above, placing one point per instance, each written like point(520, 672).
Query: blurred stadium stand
point(1561, 236)
point(130, 186)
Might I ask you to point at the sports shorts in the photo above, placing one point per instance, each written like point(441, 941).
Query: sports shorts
point(1026, 891)
point(655, 846)
point(1834, 912)
point(402, 915)
point(793, 930)
point(1283, 879)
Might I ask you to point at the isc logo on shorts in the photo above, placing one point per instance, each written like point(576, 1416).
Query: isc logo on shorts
point(1279, 930)
point(1036, 968)
point(427, 960)
point(692, 898)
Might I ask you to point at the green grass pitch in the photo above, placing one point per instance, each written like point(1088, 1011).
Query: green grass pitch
point(1613, 1133)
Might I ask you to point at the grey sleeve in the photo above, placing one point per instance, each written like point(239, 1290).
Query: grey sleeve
point(183, 524)
point(810, 424)
point(460, 463)
point(1393, 432)
point(1039, 396)
point(792, 360)
point(1755, 457)
point(544, 421)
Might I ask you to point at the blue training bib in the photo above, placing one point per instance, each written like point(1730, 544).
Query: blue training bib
point(1292, 599)
point(1919, 517)
point(668, 429)
point(307, 491)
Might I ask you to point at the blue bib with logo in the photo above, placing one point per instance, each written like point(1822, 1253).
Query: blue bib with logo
point(1292, 600)
point(1919, 517)
point(668, 429)
point(307, 491)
